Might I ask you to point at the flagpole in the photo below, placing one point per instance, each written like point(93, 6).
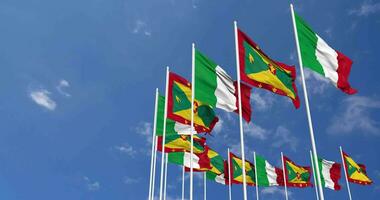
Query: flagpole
point(154, 166)
point(166, 174)
point(315, 180)
point(257, 183)
point(240, 112)
point(283, 172)
point(229, 175)
point(183, 182)
point(153, 145)
point(164, 132)
point(313, 145)
point(192, 118)
point(345, 173)
point(204, 186)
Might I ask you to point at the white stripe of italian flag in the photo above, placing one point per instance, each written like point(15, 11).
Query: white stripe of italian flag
point(267, 175)
point(330, 174)
point(318, 56)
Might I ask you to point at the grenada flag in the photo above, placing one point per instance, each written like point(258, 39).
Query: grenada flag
point(356, 173)
point(296, 176)
point(179, 106)
point(236, 165)
point(259, 70)
point(180, 143)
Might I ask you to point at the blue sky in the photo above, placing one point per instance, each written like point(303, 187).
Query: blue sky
point(78, 81)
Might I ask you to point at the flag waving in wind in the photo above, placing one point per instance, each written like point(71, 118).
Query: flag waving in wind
point(356, 173)
point(318, 56)
point(257, 69)
point(296, 176)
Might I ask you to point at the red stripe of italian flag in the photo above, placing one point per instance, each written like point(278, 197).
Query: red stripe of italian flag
point(318, 56)
point(330, 174)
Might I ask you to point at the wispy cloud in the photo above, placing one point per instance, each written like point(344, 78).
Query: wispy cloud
point(283, 137)
point(140, 27)
point(262, 102)
point(218, 127)
point(42, 98)
point(91, 185)
point(126, 149)
point(356, 115)
point(316, 83)
point(275, 190)
point(366, 8)
point(145, 129)
point(130, 180)
point(61, 86)
point(255, 131)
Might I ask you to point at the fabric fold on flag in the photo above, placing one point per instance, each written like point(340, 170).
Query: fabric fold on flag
point(296, 176)
point(180, 143)
point(236, 169)
point(267, 175)
point(200, 161)
point(330, 172)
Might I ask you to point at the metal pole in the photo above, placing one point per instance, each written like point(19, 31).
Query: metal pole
point(164, 132)
point(204, 186)
point(257, 183)
point(283, 171)
point(192, 118)
point(229, 175)
point(315, 180)
point(240, 113)
point(154, 167)
point(166, 175)
point(313, 145)
point(183, 183)
point(153, 146)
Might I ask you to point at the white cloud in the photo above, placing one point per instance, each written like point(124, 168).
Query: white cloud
point(126, 149)
point(255, 131)
point(365, 9)
point(141, 27)
point(274, 190)
point(316, 83)
point(145, 129)
point(41, 97)
point(262, 102)
point(283, 137)
point(356, 115)
point(91, 185)
point(60, 87)
point(130, 180)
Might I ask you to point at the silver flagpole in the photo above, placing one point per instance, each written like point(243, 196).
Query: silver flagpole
point(240, 113)
point(192, 118)
point(283, 171)
point(315, 180)
point(164, 133)
point(345, 173)
point(154, 167)
point(229, 175)
point(314, 148)
point(153, 146)
point(166, 175)
point(204, 186)
point(183, 182)
point(257, 184)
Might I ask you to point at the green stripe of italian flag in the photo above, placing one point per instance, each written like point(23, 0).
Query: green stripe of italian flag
point(330, 172)
point(267, 175)
point(318, 56)
point(183, 158)
point(216, 88)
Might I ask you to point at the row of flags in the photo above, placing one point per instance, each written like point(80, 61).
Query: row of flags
point(229, 171)
point(187, 110)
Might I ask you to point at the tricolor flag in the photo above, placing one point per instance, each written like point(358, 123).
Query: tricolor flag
point(172, 127)
point(267, 175)
point(216, 162)
point(216, 88)
point(180, 143)
point(318, 56)
point(356, 173)
point(236, 165)
point(200, 161)
point(259, 70)
point(219, 178)
point(179, 106)
point(330, 173)
point(296, 176)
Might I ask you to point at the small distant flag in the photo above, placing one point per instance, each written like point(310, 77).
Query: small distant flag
point(236, 165)
point(330, 174)
point(296, 176)
point(356, 173)
point(200, 161)
point(180, 143)
point(267, 175)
